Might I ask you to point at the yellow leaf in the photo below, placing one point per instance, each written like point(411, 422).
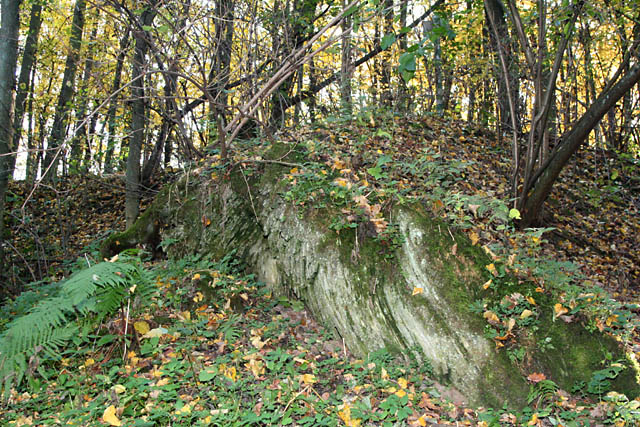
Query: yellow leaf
point(487, 284)
point(531, 300)
point(345, 416)
point(525, 314)
point(511, 324)
point(257, 342)
point(196, 276)
point(491, 317)
point(474, 238)
point(141, 327)
point(611, 319)
point(186, 409)
point(402, 383)
point(384, 374)
point(421, 421)
point(199, 296)
point(559, 309)
point(156, 333)
point(308, 379)
point(539, 290)
point(400, 393)
point(119, 388)
point(231, 373)
point(109, 416)
point(534, 420)
point(162, 382)
point(256, 367)
point(492, 269)
point(89, 362)
point(417, 291)
point(293, 171)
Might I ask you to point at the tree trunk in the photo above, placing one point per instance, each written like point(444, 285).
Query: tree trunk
point(113, 104)
point(26, 74)
point(386, 92)
point(138, 112)
point(345, 66)
point(497, 11)
point(9, 29)
point(571, 142)
point(221, 70)
point(63, 109)
point(80, 139)
point(302, 20)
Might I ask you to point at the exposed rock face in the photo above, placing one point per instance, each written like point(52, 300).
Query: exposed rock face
point(366, 291)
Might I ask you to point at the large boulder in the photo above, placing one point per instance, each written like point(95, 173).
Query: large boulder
point(412, 296)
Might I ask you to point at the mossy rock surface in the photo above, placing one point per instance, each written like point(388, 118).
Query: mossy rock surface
point(366, 293)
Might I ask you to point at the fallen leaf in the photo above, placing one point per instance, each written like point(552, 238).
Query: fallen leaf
point(141, 327)
point(402, 383)
point(155, 333)
point(109, 416)
point(473, 236)
point(492, 269)
point(559, 309)
point(256, 367)
point(536, 377)
point(487, 284)
point(491, 317)
point(308, 379)
point(526, 313)
point(417, 291)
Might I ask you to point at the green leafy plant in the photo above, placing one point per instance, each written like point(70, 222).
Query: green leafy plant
point(88, 295)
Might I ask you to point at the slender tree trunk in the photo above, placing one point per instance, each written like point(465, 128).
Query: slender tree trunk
point(114, 103)
point(404, 101)
point(31, 165)
point(303, 18)
point(498, 12)
point(346, 104)
point(429, 28)
point(9, 29)
point(138, 113)
point(312, 99)
point(63, 109)
point(386, 90)
point(26, 73)
point(80, 139)
point(221, 70)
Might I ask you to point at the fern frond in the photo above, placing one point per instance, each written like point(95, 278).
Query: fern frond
point(49, 325)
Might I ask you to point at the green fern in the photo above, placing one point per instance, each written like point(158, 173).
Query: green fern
point(97, 291)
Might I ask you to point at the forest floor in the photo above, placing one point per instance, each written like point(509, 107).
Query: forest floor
point(242, 357)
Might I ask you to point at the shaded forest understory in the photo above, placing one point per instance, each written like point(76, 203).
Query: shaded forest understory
point(232, 345)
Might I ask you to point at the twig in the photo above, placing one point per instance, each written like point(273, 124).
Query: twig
point(126, 326)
